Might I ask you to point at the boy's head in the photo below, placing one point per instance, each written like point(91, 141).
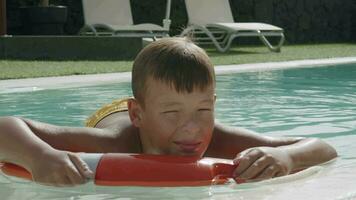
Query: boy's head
point(177, 62)
point(173, 83)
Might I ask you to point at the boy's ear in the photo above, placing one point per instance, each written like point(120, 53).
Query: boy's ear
point(135, 111)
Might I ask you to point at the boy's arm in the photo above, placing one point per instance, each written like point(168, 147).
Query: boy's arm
point(39, 148)
point(75, 139)
point(260, 157)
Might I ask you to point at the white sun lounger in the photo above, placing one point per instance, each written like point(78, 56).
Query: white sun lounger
point(211, 21)
point(114, 17)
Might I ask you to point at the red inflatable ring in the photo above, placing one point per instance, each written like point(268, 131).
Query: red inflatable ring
point(117, 169)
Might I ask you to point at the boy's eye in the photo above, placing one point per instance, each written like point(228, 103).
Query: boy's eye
point(169, 111)
point(204, 109)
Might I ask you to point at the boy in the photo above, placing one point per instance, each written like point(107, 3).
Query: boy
point(172, 112)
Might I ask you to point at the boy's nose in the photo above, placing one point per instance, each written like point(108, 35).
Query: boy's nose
point(191, 127)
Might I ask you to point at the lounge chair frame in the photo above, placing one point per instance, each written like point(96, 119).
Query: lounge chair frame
point(128, 29)
point(222, 34)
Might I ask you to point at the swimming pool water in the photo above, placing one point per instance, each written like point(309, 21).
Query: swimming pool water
point(310, 102)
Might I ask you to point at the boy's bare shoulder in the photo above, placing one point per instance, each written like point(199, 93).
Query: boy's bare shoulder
point(126, 136)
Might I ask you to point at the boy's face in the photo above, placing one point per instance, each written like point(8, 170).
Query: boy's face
point(175, 123)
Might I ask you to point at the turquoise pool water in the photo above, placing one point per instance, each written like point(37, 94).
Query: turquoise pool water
point(311, 102)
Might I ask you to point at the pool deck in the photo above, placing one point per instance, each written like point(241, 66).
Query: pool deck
point(34, 84)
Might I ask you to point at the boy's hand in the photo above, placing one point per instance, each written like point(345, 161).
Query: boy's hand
point(60, 168)
point(261, 163)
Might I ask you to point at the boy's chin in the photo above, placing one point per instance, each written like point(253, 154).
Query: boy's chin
point(185, 153)
point(176, 152)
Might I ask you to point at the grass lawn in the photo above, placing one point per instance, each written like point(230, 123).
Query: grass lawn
point(12, 69)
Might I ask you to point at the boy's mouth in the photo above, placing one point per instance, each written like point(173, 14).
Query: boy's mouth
point(188, 146)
